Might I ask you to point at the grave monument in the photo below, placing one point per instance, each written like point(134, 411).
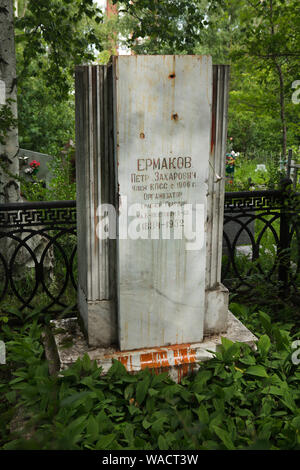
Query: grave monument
point(150, 166)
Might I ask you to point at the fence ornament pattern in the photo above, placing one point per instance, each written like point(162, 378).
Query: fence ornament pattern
point(38, 248)
point(37, 256)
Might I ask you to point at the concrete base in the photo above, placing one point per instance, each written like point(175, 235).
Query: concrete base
point(179, 360)
point(216, 310)
point(98, 320)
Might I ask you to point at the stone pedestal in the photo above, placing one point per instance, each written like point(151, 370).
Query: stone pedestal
point(150, 165)
point(178, 360)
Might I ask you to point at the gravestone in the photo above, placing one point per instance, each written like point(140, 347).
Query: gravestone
point(239, 231)
point(150, 147)
point(44, 171)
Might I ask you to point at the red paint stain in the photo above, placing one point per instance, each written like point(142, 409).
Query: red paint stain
point(157, 360)
point(154, 360)
point(123, 360)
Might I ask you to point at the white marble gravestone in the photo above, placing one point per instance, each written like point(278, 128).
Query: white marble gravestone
point(151, 130)
point(163, 146)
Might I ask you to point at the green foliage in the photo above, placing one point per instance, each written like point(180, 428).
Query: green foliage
point(7, 120)
point(247, 177)
point(62, 186)
point(45, 122)
point(58, 34)
point(260, 40)
point(240, 399)
point(51, 38)
point(165, 26)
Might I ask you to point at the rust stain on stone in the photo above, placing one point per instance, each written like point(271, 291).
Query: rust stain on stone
point(124, 361)
point(174, 117)
point(142, 135)
point(181, 356)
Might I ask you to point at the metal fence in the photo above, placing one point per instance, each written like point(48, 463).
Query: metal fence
point(38, 262)
point(38, 255)
point(261, 240)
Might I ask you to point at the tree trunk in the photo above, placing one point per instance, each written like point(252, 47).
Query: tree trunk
point(281, 88)
point(9, 162)
point(282, 107)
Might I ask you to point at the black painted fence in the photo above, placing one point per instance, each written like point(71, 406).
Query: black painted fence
point(38, 263)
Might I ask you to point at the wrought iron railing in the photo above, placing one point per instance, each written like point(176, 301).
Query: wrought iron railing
point(38, 255)
point(38, 263)
point(261, 240)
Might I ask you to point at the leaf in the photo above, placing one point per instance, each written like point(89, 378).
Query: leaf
point(16, 312)
point(142, 389)
point(260, 444)
point(226, 343)
point(264, 344)
point(289, 402)
point(92, 427)
point(203, 414)
point(239, 310)
point(129, 433)
point(273, 390)
point(265, 321)
point(146, 424)
point(86, 363)
point(199, 397)
point(232, 352)
point(243, 412)
point(248, 360)
point(105, 441)
point(296, 422)
point(157, 379)
point(73, 398)
point(201, 379)
point(282, 339)
point(224, 436)
point(162, 443)
point(258, 371)
point(158, 425)
point(75, 428)
point(117, 370)
point(128, 392)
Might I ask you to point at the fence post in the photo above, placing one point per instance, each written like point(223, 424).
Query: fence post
point(289, 163)
point(284, 238)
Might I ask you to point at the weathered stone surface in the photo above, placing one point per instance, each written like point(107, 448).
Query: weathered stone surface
point(99, 320)
point(163, 146)
point(178, 360)
point(151, 130)
point(216, 310)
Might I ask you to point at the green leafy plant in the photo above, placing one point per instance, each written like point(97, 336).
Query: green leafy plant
point(240, 399)
point(7, 120)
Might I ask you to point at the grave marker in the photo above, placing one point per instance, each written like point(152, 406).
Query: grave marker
point(151, 131)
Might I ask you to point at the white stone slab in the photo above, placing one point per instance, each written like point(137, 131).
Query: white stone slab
point(163, 128)
point(173, 359)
